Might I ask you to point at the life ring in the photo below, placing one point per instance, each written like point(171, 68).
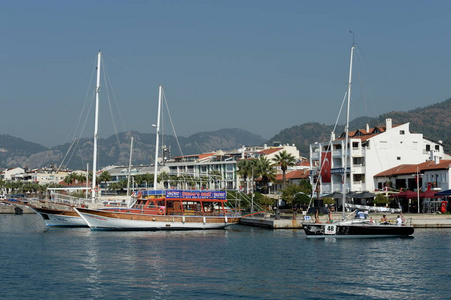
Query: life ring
point(139, 194)
point(160, 211)
point(443, 207)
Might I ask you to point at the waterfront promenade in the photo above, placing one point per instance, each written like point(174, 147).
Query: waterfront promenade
point(287, 221)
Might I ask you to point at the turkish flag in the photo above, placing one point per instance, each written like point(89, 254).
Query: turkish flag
point(325, 166)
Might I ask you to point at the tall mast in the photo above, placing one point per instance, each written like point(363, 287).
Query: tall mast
point(129, 167)
point(157, 139)
point(96, 129)
point(345, 157)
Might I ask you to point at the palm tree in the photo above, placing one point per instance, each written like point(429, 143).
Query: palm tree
point(2, 185)
point(284, 160)
point(245, 170)
point(143, 178)
point(68, 179)
point(265, 170)
point(105, 177)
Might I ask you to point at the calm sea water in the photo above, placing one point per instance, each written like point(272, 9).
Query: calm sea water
point(236, 263)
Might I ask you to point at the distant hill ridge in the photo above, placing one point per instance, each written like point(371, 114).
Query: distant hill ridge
point(115, 150)
point(433, 121)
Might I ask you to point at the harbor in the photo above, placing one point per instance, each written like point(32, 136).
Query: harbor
point(286, 221)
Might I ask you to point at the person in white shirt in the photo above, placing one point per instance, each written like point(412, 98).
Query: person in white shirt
point(398, 221)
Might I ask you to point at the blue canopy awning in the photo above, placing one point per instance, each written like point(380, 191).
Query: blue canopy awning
point(443, 193)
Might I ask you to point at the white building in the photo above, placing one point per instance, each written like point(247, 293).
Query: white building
point(41, 176)
point(8, 174)
point(370, 151)
point(215, 170)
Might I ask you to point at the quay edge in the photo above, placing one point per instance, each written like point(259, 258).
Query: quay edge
point(287, 222)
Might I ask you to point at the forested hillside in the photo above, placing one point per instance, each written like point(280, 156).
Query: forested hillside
point(433, 121)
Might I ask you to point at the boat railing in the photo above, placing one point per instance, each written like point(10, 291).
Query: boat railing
point(69, 200)
point(239, 197)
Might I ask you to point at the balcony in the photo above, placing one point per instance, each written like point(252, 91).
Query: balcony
point(358, 186)
point(316, 155)
point(358, 169)
point(337, 153)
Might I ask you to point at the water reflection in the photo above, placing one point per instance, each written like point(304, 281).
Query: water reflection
point(239, 262)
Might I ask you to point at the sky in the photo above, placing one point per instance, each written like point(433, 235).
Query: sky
point(262, 66)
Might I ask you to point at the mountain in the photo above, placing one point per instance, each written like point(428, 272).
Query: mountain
point(433, 121)
point(15, 151)
point(115, 150)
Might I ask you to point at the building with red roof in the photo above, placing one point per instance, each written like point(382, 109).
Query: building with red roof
point(370, 152)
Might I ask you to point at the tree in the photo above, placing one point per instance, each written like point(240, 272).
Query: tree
point(2, 185)
point(105, 176)
point(245, 168)
point(381, 200)
point(267, 173)
point(297, 193)
point(284, 160)
point(144, 178)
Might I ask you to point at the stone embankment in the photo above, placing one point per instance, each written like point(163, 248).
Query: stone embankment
point(288, 222)
point(12, 209)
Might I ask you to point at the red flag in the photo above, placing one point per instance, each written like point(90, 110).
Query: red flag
point(325, 166)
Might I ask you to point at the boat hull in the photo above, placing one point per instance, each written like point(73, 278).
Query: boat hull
point(60, 218)
point(107, 220)
point(314, 230)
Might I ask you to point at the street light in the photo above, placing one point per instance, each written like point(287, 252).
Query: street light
point(417, 178)
point(277, 209)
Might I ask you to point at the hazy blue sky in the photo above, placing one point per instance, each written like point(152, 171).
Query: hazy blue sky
point(257, 65)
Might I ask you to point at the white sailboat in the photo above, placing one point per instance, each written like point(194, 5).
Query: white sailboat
point(359, 228)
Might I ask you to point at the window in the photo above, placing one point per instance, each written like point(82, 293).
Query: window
point(358, 161)
point(428, 147)
point(437, 147)
point(402, 132)
point(359, 178)
point(398, 158)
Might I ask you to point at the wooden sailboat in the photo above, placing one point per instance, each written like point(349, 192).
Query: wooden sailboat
point(165, 210)
point(361, 228)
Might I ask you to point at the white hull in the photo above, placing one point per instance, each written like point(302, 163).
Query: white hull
point(64, 221)
point(102, 222)
point(55, 218)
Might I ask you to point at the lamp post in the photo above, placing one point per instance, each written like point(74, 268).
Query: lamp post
point(277, 209)
point(417, 178)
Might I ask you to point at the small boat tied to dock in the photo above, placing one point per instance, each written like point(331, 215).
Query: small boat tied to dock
point(166, 210)
point(356, 228)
